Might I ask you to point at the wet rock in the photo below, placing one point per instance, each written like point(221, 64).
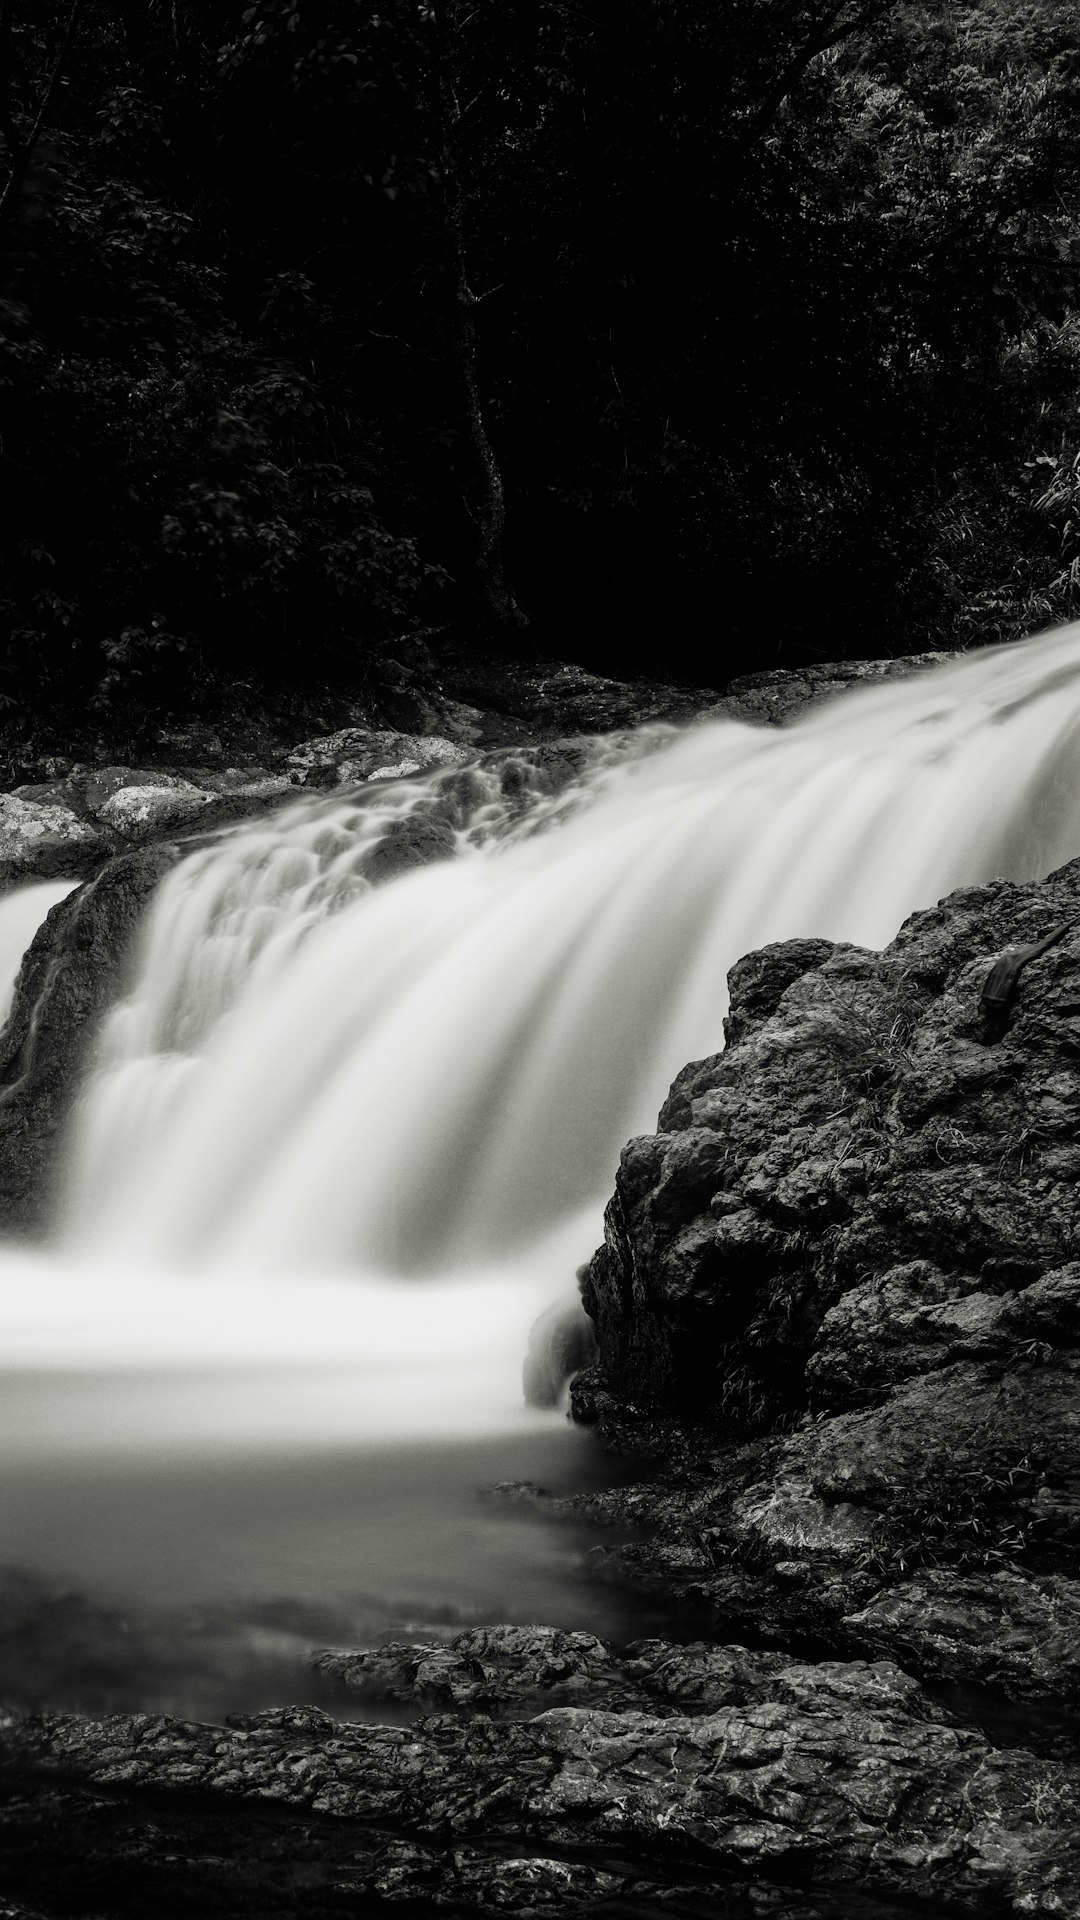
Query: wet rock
point(356, 755)
point(856, 1236)
point(781, 694)
point(838, 1775)
point(44, 840)
point(412, 841)
point(861, 1159)
point(1016, 1633)
point(183, 1855)
point(519, 1671)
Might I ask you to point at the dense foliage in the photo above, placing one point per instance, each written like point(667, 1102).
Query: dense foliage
point(766, 317)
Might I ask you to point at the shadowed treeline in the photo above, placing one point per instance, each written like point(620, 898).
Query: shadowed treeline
point(755, 328)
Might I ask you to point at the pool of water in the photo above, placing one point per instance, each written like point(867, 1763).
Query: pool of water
point(199, 1579)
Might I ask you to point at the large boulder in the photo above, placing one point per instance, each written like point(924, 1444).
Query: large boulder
point(357, 754)
point(46, 839)
point(851, 1255)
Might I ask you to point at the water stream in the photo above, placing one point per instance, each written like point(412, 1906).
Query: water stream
point(343, 1142)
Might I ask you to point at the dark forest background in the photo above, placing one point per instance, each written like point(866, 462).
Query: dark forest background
point(759, 322)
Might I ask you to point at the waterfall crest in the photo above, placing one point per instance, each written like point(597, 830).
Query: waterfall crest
point(315, 1076)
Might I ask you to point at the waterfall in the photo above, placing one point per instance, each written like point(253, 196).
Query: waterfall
point(427, 1077)
point(411, 1097)
point(21, 914)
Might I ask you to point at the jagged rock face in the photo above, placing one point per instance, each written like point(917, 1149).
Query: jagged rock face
point(868, 1183)
point(857, 1235)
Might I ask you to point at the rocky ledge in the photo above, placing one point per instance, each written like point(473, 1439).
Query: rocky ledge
point(68, 817)
point(694, 1781)
point(852, 1252)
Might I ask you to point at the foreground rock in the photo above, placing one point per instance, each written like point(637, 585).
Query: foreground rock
point(806, 1779)
point(853, 1253)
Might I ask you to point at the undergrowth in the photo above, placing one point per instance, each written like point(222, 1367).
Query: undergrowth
point(860, 1049)
point(969, 1514)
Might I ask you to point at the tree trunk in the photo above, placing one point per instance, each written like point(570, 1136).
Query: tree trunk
point(497, 591)
point(21, 151)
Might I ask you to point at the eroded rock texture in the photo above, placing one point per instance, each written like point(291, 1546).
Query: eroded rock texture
point(856, 1236)
point(826, 1775)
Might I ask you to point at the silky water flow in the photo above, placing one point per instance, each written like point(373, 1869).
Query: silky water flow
point(343, 1142)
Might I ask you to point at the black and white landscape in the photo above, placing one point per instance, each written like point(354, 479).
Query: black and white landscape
point(540, 960)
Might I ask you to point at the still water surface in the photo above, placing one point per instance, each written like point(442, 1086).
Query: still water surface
point(198, 1578)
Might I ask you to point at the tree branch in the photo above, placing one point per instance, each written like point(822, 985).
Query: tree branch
point(830, 31)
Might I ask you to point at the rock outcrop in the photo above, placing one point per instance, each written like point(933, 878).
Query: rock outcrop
point(43, 839)
point(852, 1254)
point(73, 823)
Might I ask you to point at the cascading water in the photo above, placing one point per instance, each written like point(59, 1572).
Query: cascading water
point(355, 1137)
point(426, 1078)
point(21, 914)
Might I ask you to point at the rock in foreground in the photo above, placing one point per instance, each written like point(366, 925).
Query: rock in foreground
point(852, 1251)
point(807, 1781)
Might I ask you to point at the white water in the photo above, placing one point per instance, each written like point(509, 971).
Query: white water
point(436, 1074)
point(375, 1127)
point(21, 914)
point(342, 1144)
